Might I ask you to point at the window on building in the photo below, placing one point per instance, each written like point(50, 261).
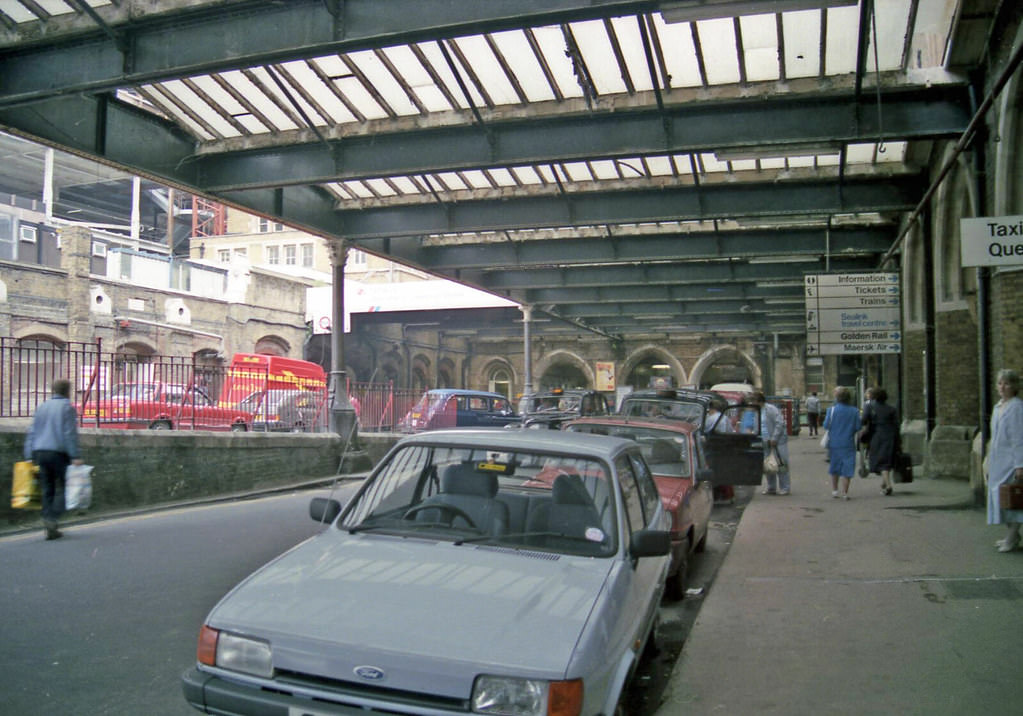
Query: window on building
point(224, 256)
point(307, 255)
point(28, 234)
point(241, 252)
point(266, 226)
point(290, 254)
point(356, 257)
point(273, 254)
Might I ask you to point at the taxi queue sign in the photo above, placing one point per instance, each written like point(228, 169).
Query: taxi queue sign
point(853, 313)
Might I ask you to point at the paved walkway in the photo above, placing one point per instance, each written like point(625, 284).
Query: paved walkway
point(876, 605)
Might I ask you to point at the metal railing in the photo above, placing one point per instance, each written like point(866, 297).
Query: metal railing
point(112, 389)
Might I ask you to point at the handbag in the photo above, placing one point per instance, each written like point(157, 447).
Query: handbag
point(825, 441)
point(78, 487)
point(772, 463)
point(903, 467)
point(25, 491)
point(1010, 496)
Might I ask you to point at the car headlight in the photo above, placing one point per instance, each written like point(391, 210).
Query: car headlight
point(507, 696)
point(234, 652)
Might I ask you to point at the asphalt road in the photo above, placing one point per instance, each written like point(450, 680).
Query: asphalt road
point(104, 621)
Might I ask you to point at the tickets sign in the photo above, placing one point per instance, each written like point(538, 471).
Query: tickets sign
point(853, 313)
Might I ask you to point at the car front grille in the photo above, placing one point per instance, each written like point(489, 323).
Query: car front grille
point(350, 694)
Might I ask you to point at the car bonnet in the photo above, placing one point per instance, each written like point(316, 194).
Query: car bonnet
point(429, 615)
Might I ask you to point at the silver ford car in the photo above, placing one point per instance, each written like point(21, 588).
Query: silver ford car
point(475, 571)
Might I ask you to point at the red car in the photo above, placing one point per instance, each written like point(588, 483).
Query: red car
point(675, 456)
point(163, 406)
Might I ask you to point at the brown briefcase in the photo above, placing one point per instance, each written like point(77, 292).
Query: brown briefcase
point(1010, 496)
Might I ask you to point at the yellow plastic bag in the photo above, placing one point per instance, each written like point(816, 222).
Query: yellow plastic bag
point(25, 492)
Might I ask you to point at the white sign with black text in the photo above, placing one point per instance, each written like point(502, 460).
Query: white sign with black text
point(853, 313)
point(991, 241)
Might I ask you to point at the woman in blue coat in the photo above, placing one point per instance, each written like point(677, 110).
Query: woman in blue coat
point(842, 423)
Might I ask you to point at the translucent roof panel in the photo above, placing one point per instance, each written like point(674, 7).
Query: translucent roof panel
point(802, 43)
point(760, 47)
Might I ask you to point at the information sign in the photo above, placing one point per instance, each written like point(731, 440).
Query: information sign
point(853, 313)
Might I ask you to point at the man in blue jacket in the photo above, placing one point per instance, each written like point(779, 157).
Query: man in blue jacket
point(52, 444)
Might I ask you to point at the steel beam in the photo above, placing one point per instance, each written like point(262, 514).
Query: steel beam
point(230, 35)
point(925, 113)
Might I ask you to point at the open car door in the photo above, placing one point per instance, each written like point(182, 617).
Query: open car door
point(736, 455)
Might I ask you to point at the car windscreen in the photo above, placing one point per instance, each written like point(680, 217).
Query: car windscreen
point(667, 452)
point(518, 499)
point(691, 413)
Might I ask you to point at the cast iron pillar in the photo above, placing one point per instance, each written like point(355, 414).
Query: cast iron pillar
point(342, 414)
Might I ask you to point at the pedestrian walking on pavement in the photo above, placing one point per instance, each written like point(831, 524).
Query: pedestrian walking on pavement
point(813, 413)
point(776, 439)
point(1005, 457)
point(52, 444)
point(842, 423)
point(881, 422)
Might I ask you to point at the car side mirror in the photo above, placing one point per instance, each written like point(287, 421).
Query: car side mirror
point(649, 543)
point(324, 510)
point(705, 474)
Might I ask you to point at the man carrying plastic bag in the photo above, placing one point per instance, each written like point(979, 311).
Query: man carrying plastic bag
point(52, 444)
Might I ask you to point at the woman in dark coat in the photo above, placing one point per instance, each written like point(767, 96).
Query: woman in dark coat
point(882, 423)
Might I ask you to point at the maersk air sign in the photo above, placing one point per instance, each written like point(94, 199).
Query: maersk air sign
point(991, 241)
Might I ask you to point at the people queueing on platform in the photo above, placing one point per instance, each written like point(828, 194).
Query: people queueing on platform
point(842, 423)
point(813, 413)
point(881, 426)
point(774, 431)
point(1005, 457)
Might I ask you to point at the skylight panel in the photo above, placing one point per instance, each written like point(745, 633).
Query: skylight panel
point(522, 60)
point(773, 163)
point(578, 171)
point(405, 185)
point(598, 54)
point(659, 166)
point(860, 153)
point(440, 65)
point(891, 26)
point(502, 176)
point(219, 95)
point(607, 170)
point(760, 46)
point(451, 181)
point(355, 92)
point(744, 165)
point(711, 163)
point(477, 179)
point(488, 69)
point(552, 45)
point(802, 162)
point(631, 41)
point(358, 189)
point(679, 52)
point(319, 92)
point(384, 82)
point(201, 109)
point(840, 54)
point(20, 13)
point(156, 96)
point(527, 175)
point(54, 7)
point(717, 38)
point(802, 43)
point(256, 97)
point(380, 187)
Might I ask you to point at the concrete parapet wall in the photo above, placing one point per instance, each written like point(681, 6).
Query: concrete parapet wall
point(949, 451)
point(913, 434)
point(136, 469)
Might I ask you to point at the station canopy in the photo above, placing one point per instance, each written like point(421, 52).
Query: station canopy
point(630, 169)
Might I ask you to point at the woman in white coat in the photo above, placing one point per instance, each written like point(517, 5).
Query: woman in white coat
point(1005, 456)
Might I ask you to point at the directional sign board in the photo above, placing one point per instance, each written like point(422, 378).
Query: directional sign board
point(853, 313)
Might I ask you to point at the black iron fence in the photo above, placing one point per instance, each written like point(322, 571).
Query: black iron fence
point(111, 389)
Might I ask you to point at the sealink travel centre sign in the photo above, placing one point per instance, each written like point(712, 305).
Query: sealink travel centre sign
point(853, 313)
point(991, 241)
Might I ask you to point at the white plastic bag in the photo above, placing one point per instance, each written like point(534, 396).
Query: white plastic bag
point(824, 439)
point(78, 487)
